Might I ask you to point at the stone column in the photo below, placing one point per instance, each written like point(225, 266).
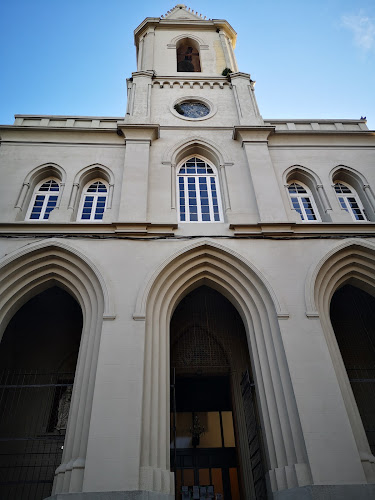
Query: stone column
point(266, 188)
point(134, 189)
point(370, 196)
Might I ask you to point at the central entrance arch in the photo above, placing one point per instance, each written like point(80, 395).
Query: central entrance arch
point(208, 263)
point(215, 436)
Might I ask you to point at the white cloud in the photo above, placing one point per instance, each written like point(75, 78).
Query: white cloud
point(363, 29)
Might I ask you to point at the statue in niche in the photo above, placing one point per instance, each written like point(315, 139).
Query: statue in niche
point(63, 409)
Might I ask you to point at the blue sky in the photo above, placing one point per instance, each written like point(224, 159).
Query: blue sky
point(311, 59)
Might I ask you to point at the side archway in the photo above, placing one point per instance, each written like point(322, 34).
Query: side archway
point(207, 263)
point(349, 263)
point(26, 273)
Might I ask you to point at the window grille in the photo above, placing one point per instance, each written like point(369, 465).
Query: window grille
point(199, 196)
point(303, 202)
point(349, 201)
point(94, 201)
point(44, 200)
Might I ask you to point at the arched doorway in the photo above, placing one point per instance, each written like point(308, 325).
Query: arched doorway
point(352, 315)
point(38, 356)
point(215, 431)
point(206, 262)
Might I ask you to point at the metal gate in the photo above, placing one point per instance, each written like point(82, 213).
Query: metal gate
point(33, 415)
point(253, 437)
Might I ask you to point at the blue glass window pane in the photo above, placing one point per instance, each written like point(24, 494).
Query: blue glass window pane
point(182, 171)
point(181, 180)
point(182, 217)
point(85, 216)
point(205, 217)
point(217, 217)
point(205, 209)
point(98, 216)
point(193, 217)
point(34, 216)
point(191, 180)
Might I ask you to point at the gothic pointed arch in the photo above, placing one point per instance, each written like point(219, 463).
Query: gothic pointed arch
point(350, 262)
point(208, 150)
point(25, 273)
point(35, 177)
point(361, 191)
point(310, 179)
point(83, 180)
point(207, 263)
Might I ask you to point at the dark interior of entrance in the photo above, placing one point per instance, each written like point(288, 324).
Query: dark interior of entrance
point(38, 356)
point(353, 321)
point(215, 432)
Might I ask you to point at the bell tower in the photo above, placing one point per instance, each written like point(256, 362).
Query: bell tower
point(186, 69)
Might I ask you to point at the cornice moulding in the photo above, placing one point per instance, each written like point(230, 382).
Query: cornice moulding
point(140, 131)
point(252, 133)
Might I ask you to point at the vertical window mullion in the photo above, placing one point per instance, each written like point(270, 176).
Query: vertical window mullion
point(93, 210)
point(198, 195)
point(187, 204)
point(44, 206)
point(210, 200)
point(300, 202)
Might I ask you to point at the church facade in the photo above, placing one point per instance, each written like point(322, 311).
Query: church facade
point(187, 292)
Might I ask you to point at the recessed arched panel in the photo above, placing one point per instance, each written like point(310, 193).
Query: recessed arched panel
point(26, 273)
point(349, 263)
point(218, 268)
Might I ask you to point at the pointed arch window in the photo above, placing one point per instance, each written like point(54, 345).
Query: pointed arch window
point(198, 190)
point(94, 201)
point(303, 202)
point(44, 199)
point(349, 200)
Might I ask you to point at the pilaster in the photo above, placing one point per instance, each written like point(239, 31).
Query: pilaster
point(254, 140)
point(134, 189)
point(247, 108)
point(139, 97)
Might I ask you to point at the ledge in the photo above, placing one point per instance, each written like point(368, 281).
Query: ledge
point(295, 229)
point(94, 230)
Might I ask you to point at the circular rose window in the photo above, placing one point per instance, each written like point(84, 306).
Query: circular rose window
point(190, 109)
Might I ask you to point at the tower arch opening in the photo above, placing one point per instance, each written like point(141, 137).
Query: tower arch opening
point(188, 58)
